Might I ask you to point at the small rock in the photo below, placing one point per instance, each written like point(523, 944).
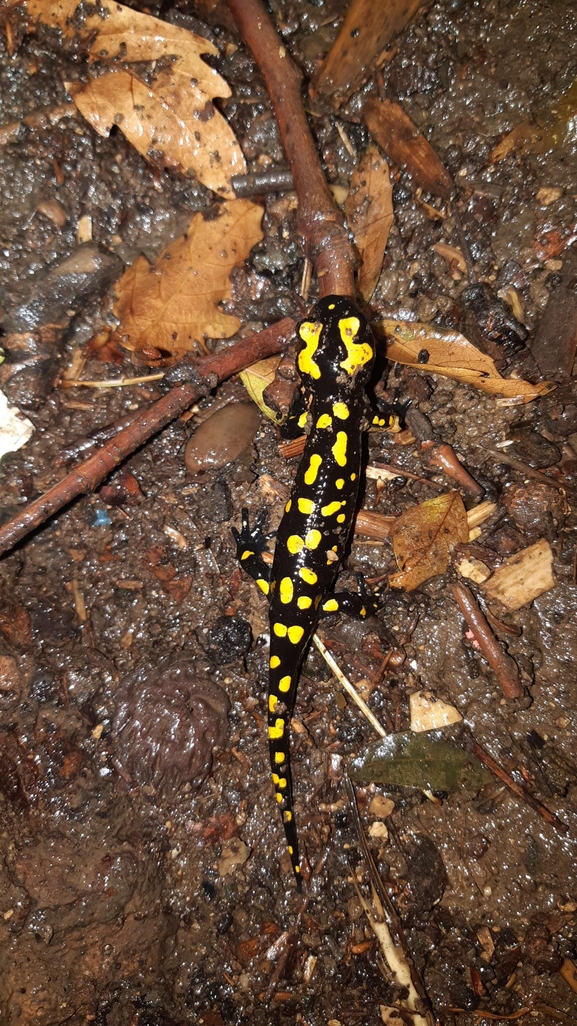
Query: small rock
point(549, 194)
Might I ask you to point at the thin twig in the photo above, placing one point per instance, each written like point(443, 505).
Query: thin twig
point(207, 372)
point(320, 222)
point(503, 666)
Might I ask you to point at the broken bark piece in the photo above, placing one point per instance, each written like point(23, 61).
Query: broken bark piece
point(522, 577)
point(36, 329)
point(367, 29)
point(554, 343)
point(403, 143)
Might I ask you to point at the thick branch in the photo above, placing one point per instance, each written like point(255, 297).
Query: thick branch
point(326, 241)
point(88, 475)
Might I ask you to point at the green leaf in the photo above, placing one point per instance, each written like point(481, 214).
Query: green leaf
point(424, 760)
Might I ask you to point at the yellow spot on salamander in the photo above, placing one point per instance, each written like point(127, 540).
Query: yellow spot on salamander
point(263, 585)
point(279, 797)
point(295, 634)
point(339, 449)
point(340, 483)
point(290, 850)
point(297, 869)
point(302, 421)
point(325, 420)
point(313, 539)
point(308, 575)
point(273, 662)
point(288, 506)
point(281, 782)
point(275, 778)
point(295, 543)
point(305, 505)
point(353, 477)
point(313, 469)
point(357, 353)
point(279, 629)
point(277, 731)
point(331, 306)
point(279, 757)
point(310, 332)
point(304, 602)
point(341, 410)
point(272, 703)
point(284, 684)
point(288, 816)
point(363, 611)
point(341, 518)
point(330, 606)
point(330, 508)
point(246, 554)
point(286, 590)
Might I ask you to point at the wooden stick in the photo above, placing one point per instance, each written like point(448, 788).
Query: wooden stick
point(503, 666)
point(206, 374)
point(321, 225)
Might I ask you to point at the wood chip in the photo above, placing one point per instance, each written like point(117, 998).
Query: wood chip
point(366, 31)
point(431, 713)
point(406, 146)
point(522, 577)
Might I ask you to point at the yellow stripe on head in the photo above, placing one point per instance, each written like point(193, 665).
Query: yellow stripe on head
point(310, 332)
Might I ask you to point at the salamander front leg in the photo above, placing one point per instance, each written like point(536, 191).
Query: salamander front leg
point(250, 545)
point(389, 415)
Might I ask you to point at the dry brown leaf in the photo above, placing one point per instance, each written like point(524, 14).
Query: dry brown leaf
point(369, 210)
point(552, 130)
point(435, 351)
point(173, 306)
point(170, 120)
point(424, 537)
point(256, 378)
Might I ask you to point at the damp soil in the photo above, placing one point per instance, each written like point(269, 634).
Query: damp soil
point(143, 877)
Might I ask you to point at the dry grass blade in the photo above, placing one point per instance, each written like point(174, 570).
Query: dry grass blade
point(173, 306)
point(369, 210)
point(348, 687)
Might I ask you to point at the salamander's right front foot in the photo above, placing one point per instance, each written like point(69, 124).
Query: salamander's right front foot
point(250, 545)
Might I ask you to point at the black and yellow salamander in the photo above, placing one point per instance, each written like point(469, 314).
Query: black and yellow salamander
point(335, 358)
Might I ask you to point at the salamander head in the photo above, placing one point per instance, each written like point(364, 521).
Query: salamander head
point(336, 345)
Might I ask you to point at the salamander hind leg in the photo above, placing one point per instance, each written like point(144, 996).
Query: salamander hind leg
point(250, 545)
point(360, 605)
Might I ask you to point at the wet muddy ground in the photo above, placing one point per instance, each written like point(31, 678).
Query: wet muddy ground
point(142, 875)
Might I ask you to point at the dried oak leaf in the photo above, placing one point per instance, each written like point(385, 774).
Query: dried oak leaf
point(369, 210)
point(424, 537)
point(173, 306)
point(171, 119)
point(257, 378)
point(435, 351)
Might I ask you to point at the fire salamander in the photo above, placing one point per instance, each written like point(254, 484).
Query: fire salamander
point(335, 359)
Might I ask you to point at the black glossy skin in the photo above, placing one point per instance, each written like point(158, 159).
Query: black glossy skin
point(335, 360)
